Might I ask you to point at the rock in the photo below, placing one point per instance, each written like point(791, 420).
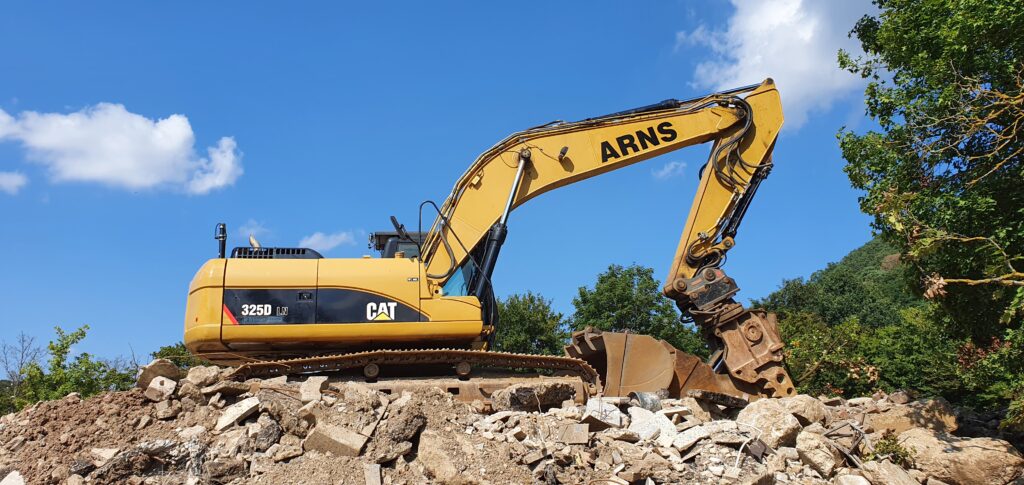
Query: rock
point(601, 415)
point(103, 455)
point(435, 460)
point(683, 441)
point(203, 375)
point(75, 480)
point(192, 432)
point(573, 434)
point(776, 425)
point(887, 473)
point(816, 452)
point(285, 452)
point(310, 390)
point(805, 409)
point(224, 470)
point(158, 368)
point(935, 414)
point(237, 412)
point(534, 396)
point(393, 452)
point(13, 478)
point(335, 439)
point(851, 480)
point(962, 460)
point(622, 435)
point(81, 467)
point(899, 397)
point(226, 388)
point(268, 435)
point(167, 409)
point(160, 388)
point(651, 426)
point(860, 401)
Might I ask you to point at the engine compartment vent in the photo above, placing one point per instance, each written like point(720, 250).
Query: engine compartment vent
point(274, 253)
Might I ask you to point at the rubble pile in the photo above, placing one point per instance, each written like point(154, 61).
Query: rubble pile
point(199, 427)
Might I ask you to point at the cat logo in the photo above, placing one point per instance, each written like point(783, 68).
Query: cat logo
point(383, 311)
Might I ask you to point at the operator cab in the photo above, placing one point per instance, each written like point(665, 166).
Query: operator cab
point(389, 243)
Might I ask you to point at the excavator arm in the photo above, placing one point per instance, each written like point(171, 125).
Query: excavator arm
point(462, 246)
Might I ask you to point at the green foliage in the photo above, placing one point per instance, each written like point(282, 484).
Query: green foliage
point(942, 176)
point(178, 354)
point(528, 325)
point(868, 284)
point(854, 327)
point(7, 403)
point(630, 299)
point(83, 374)
point(889, 447)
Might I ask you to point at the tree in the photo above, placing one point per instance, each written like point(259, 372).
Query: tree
point(942, 177)
point(630, 299)
point(62, 376)
point(14, 359)
point(528, 325)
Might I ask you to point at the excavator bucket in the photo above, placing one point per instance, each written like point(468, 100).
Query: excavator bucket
point(630, 362)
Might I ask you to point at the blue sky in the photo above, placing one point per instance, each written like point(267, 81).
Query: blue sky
point(126, 133)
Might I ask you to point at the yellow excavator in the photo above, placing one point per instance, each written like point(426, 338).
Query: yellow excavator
point(430, 303)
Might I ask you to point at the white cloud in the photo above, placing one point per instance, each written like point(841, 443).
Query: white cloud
point(326, 242)
point(254, 227)
point(795, 42)
point(12, 182)
point(107, 144)
point(669, 170)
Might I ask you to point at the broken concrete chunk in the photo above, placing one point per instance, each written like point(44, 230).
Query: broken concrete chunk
point(962, 460)
point(816, 452)
point(371, 474)
point(192, 432)
point(805, 409)
point(335, 439)
point(854, 480)
point(13, 478)
point(533, 396)
point(157, 368)
point(102, 455)
point(860, 401)
point(167, 409)
point(438, 464)
point(600, 415)
point(935, 414)
point(573, 434)
point(651, 426)
point(203, 375)
point(310, 390)
point(683, 441)
point(776, 425)
point(237, 412)
point(286, 452)
point(160, 388)
point(226, 388)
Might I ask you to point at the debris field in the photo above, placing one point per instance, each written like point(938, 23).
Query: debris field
point(198, 427)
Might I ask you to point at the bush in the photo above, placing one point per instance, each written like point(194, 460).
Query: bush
point(178, 354)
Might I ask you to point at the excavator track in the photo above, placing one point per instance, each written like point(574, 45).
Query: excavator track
point(463, 360)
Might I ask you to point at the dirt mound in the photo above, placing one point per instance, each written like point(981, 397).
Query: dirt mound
point(201, 429)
